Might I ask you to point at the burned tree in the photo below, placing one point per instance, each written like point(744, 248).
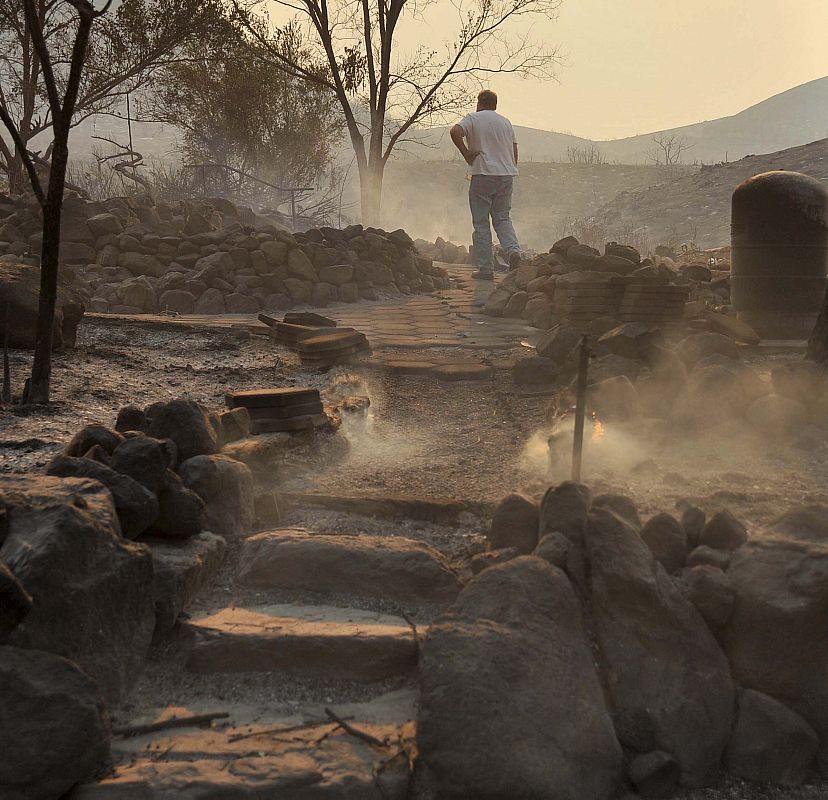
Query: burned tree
point(669, 150)
point(126, 49)
point(382, 97)
point(62, 96)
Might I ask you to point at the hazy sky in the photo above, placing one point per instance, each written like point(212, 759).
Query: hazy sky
point(635, 66)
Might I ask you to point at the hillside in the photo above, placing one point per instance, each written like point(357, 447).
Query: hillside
point(430, 199)
point(696, 207)
point(794, 117)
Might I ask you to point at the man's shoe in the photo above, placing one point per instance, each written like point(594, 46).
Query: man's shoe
point(515, 259)
point(481, 275)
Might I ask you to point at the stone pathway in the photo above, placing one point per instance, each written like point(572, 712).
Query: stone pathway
point(444, 319)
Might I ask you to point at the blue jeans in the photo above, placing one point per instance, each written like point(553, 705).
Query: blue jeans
point(491, 196)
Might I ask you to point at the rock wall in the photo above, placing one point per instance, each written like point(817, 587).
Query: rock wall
point(135, 255)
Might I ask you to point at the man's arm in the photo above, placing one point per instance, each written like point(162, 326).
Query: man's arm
point(516, 152)
point(458, 136)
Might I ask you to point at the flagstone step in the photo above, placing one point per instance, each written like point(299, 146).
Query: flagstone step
point(385, 567)
point(317, 642)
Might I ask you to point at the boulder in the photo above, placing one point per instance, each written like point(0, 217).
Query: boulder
point(104, 224)
point(491, 558)
point(667, 541)
point(238, 303)
point(193, 428)
point(562, 245)
point(518, 625)
point(136, 506)
point(799, 380)
point(92, 589)
point(181, 512)
point(655, 774)
point(774, 416)
point(707, 556)
point(564, 508)
point(709, 590)
point(515, 524)
point(177, 300)
point(211, 302)
point(700, 345)
point(668, 680)
point(614, 399)
point(808, 523)
point(770, 743)
point(775, 638)
point(130, 418)
point(556, 344)
point(20, 292)
point(180, 571)
point(53, 726)
point(337, 274)
point(91, 435)
point(632, 340)
point(145, 460)
point(496, 302)
point(693, 520)
point(300, 266)
point(723, 532)
point(620, 505)
point(554, 547)
point(15, 602)
point(226, 487)
point(140, 264)
point(582, 254)
point(235, 424)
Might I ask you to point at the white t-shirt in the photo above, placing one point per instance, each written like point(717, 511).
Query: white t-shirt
point(492, 134)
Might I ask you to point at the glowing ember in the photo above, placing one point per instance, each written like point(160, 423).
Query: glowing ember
point(598, 431)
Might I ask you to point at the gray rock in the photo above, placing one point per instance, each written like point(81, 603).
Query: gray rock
point(564, 508)
point(300, 266)
point(667, 541)
point(193, 428)
point(556, 344)
point(491, 558)
point(137, 507)
point(554, 547)
point(91, 435)
point(775, 638)
point(807, 523)
point(709, 590)
point(515, 524)
point(91, 588)
point(226, 487)
point(615, 399)
point(549, 736)
point(655, 774)
point(235, 424)
point(181, 512)
point(130, 418)
point(693, 520)
point(15, 602)
point(706, 556)
point(620, 505)
point(770, 743)
point(177, 300)
point(180, 571)
point(670, 684)
point(53, 726)
point(143, 459)
point(700, 345)
point(723, 532)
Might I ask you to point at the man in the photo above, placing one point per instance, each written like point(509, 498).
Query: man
point(487, 141)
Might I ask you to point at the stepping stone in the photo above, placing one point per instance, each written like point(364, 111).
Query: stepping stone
point(302, 423)
point(310, 319)
point(316, 760)
point(387, 567)
point(277, 397)
point(321, 642)
point(462, 372)
point(405, 367)
point(180, 570)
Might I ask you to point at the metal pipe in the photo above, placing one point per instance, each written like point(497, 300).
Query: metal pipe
point(580, 410)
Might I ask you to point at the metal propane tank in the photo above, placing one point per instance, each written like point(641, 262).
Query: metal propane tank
point(779, 238)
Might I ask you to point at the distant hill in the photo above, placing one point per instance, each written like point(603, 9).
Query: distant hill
point(794, 117)
point(696, 207)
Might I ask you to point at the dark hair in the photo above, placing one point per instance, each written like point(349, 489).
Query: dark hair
point(488, 99)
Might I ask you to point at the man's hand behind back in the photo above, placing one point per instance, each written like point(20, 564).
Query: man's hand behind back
point(471, 155)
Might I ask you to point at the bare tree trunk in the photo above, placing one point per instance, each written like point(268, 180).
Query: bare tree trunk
point(39, 386)
point(370, 185)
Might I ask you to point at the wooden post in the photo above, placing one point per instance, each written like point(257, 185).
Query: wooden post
point(580, 410)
